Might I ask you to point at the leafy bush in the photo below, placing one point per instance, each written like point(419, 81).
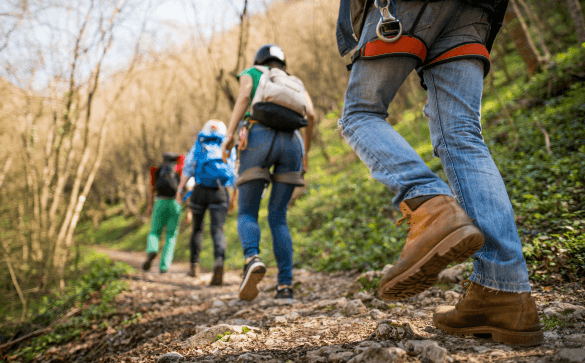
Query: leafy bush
point(348, 224)
point(548, 191)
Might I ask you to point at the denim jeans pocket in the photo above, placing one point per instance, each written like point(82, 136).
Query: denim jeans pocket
point(258, 137)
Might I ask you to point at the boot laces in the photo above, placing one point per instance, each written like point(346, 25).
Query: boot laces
point(466, 284)
point(407, 216)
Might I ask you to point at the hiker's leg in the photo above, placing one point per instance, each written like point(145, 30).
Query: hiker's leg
point(196, 241)
point(391, 160)
point(156, 226)
point(197, 205)
point(281, 240)
point(454, 118)
point(218, 211)
point(250, 195)
point(174, 212)
point(373, 83)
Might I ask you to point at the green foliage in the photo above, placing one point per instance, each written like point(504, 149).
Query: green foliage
point(225, 335)
point(92, 296)
point(552, 322)
point(548, 191)
point(369, 285)
point(346, 222)
point(245, 330)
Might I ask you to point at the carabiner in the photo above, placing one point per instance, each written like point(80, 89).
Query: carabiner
point(389, 28)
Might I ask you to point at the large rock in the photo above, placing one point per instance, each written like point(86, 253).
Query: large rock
point(379, 355)
point(360, 348)
point(209, 335)
point(171, 357)
point(363, 296)
point(376, 314)
point(394, 330)
point(428, 351)
point(571, 355)
point(579, 339)
point(354, 307)
point(340, 357)
point(252, 358)
point(565, 310)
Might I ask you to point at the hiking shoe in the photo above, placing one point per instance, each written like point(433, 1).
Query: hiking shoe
point(193, 270)
point(162, 271)
point(440, 232)
point(253, 272)
point(510, 318)
point(217, 277)
point(285, 293)
point(149, 257)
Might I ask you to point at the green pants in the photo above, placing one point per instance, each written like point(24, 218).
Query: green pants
point(165, 212)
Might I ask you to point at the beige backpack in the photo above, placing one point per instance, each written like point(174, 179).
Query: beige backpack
point(278, 87)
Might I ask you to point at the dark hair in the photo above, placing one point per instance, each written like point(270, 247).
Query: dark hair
point(274, 63)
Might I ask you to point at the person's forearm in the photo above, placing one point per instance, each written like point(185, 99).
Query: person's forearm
point(182, 183)
point(238, 113)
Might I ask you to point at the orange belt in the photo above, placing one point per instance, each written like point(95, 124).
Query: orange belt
point(462, 51)
point(406, 46)
point(410, 46)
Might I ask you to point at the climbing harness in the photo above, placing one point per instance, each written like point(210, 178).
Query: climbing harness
point(389, 28)
point(393, 42)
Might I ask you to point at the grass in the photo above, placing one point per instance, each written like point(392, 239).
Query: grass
point(90, 299)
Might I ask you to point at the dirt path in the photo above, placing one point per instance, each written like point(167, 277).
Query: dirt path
point(174, 318)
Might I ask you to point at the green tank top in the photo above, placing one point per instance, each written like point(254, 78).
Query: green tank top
point(255, 74)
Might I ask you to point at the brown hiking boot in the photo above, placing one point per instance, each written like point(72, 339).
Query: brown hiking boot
point(193, 270)
point(510, 318)
point(217, 274)
point(440, 232)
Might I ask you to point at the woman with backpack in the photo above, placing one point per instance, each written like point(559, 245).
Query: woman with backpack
point(164, 181)
point(261, 148)
point(212, 176)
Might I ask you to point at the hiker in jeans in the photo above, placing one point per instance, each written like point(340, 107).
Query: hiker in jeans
point(263, 148)
point(163, 180)
point(212, 177)
point(448, 43)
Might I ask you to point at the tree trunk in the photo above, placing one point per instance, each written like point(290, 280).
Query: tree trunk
point(5, 169)
point(577, 15)
point(536, 26)
point(521, 37)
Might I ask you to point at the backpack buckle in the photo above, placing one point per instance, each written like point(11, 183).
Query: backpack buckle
point(389, 28)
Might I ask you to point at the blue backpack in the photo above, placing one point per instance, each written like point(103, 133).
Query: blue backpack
point(211, 169)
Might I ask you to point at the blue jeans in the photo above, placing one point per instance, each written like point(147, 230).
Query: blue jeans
point(286, 156)
point(453, 110)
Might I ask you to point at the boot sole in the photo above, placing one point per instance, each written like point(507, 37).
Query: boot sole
point(249, 290)
point(217, 278)
point(524, 339)
point(456, 247)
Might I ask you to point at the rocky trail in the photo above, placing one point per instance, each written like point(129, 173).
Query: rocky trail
point(333, 318)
